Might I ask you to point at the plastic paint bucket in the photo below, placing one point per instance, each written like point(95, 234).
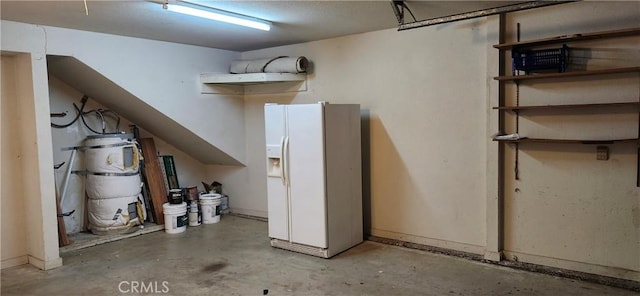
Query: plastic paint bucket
point(210, 204)
point(175, 217)
point(194, 219)
point(175, 196)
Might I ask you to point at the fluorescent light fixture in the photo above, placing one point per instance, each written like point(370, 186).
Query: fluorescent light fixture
point(219, 15)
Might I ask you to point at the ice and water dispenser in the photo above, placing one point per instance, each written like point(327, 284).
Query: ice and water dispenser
point(274, 161)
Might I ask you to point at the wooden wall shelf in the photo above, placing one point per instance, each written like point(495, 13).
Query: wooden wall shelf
point(569, 106)
point(503, 79)
point(568, 74)
point(570, 38)
point(569, 141)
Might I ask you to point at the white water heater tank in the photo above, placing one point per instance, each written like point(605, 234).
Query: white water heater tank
point(113, 182)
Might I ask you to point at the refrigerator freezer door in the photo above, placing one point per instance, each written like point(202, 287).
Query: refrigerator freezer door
point(305, 171)
point(274, 163)
point(277, 201)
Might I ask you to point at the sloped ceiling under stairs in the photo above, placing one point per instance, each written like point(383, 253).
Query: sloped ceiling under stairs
point(106, 92)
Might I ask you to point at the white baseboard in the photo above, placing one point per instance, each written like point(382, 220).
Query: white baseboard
point(574, 265)
point(11, 262)
point(620, 273)
point(493, 256)
point(254, 213)
point(462, 247)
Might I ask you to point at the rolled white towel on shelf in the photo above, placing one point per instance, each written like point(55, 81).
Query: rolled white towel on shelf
point(280, 64)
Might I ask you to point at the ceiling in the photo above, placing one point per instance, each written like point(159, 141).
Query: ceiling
point(293, 21)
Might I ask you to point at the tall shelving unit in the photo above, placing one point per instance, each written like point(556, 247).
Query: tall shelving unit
point(631, 105)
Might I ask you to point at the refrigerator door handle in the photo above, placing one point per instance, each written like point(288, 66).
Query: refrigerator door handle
point(285, 164)
point(282, 161)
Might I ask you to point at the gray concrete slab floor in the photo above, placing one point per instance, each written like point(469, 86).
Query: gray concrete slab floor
point(233, 257)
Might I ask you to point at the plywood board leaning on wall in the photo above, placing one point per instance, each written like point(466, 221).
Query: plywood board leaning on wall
point(154, 178)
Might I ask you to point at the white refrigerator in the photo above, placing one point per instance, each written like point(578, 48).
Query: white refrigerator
point(314, 177)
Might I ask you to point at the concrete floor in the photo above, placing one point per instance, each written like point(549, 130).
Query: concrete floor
point(233, 257)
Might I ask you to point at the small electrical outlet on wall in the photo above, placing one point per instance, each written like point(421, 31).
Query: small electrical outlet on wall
point(602, 153)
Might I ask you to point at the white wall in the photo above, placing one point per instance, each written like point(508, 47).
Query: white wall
point(569, 209)
point(62, 96)
point(14, 241)
point(422, 93)
point(28, 202)
point(426, 96)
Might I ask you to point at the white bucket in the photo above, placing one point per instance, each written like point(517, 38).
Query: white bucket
point(175, 217)
point(194, 219)
point(210, 205)
point(224, 204)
